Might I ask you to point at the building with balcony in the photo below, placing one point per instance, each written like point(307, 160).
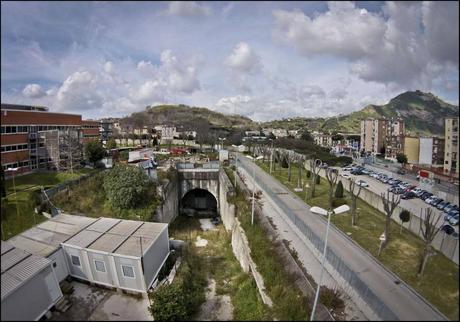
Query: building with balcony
point(431, 151)
point(394, 138)
point(451, 165)
point(382, 136)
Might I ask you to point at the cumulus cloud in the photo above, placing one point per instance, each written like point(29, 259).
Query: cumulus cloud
point(244, 60)
point(33, 91)
point(109, 68)
point(408, 45)
point(182, 77)
point(188, 9)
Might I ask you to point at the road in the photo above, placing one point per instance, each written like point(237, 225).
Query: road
point(400, 299)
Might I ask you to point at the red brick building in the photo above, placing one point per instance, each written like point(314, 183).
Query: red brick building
point(20, 125)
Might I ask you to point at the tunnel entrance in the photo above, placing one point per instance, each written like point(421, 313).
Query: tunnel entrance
point(199, 203)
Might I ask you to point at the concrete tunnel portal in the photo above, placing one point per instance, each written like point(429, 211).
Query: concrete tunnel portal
point(199, 203)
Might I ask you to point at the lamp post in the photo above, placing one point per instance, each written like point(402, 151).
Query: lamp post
point(14, 189)
point(323, 212)
point(253, 183)
point(271, 157)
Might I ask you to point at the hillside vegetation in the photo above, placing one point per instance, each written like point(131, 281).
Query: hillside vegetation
point(423, 114)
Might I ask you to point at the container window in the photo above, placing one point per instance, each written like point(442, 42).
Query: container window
point(75, 260)
point(128, 271)
point(100, 266)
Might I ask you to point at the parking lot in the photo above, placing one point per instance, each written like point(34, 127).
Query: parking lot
point(414, 205)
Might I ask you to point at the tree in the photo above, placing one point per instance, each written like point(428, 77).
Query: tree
point(401, 158)
point(354, 197)
point(389, 206)
point(318, 179)
point(314, 168)
point(94, 151)
point(331, 175)
point(405, 217)
point(306, 136)
point(429, 229)
point(339, 190)
point(111, 144)
point(125, 186)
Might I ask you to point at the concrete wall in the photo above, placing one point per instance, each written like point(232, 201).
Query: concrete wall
point(207, 179)
point(33, 299)
point(450, 246)
point(169, 210)
point(240, 245)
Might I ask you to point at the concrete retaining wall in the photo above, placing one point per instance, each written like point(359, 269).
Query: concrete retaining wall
point(240, 245)
point(169, 210)
point(446, 244)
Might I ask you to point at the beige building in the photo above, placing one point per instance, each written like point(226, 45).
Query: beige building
point(394, 138)
point(322, 139)
point(373, 133)
point(451, 145)
point(412, 149)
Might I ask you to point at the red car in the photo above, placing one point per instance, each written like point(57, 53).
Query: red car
point(410, 188)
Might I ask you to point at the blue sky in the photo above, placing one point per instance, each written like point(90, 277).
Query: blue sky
point(265, 60)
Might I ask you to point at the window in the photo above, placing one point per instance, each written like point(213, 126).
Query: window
point(75, 260)
point(100, 266)
point(128, 271)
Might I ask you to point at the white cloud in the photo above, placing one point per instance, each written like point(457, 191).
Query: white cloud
point(182, 77)
point(409, 45)
point(187, 9)
point(109, 68)
point(150, 91)
point(244, 60)
point(79, 92)
point(33, 91)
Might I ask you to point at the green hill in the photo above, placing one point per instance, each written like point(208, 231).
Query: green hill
point(423, 114)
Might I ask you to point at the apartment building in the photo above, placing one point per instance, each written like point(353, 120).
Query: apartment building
point(23, 130)
point(322, 139)
point(431, 151)
point(394, 138)
point(451, 164)
point(412, 149)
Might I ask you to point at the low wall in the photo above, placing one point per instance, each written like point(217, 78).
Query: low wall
point(240, 245)
point(169, 193)
point(446, 244)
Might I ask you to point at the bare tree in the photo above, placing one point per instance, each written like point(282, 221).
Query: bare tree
point(299, 160)
point(354, 197)
point(314, 170)
point(389, 206)
point(331, 175)
point(429, 229)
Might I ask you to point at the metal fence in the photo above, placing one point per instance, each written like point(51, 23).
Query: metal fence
point(334, 260)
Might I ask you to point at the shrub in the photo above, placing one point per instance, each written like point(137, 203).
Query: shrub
point(330, 298)
point(125, 186)
point(123, 156)
point(94, 151)
point(111, 144)
point(339, 190)
point(168, 303)
point(308, 174)
point(404, 216)
point(284, 163)
point(318, 179)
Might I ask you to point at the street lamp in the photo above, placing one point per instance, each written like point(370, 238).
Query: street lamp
point(253, 183)
point(323, 212)
point(271, 157)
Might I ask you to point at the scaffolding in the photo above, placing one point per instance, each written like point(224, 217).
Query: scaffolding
point(60, 150)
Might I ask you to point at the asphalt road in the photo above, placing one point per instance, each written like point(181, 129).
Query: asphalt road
point(402, 300)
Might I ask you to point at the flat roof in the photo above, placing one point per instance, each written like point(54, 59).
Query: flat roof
point(133, 247)
point(125, 227)
point(32, 246)
point(103, 224)
point(17, 267)
point(84, 238)
point(150, 230)
point(108, 242)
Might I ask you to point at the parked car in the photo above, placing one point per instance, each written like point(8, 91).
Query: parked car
point(362, 183)
point(348, 168)
point(324, 165)
point(410, 188)
point(385, 179)
point(442, 205)
point(356, 172)
point(430, 199)
point(408, 195)
point(454, 220)
point(401, 171)
point(420, 193)
point(450, 208)
point(436, 201)
point(365, 171)
point(417, 190)
point(345, 175)
point(394, 182)
point(426, 195)
point(398, 190)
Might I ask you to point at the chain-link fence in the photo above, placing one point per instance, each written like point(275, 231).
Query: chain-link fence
point(333, 259)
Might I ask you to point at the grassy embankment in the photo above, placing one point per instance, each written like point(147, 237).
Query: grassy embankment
point(28, 188)
point(439, 284)
point(288, 301)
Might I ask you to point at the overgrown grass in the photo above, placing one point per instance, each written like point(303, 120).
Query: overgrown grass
point(90, 199)
point(28, 188)
point(288, 301)
point(220, 264)
point(439, 284)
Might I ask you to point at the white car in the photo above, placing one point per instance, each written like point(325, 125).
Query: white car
point(362, 183)
point(345, 175)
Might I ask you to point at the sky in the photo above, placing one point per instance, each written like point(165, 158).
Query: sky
point(263, 60)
